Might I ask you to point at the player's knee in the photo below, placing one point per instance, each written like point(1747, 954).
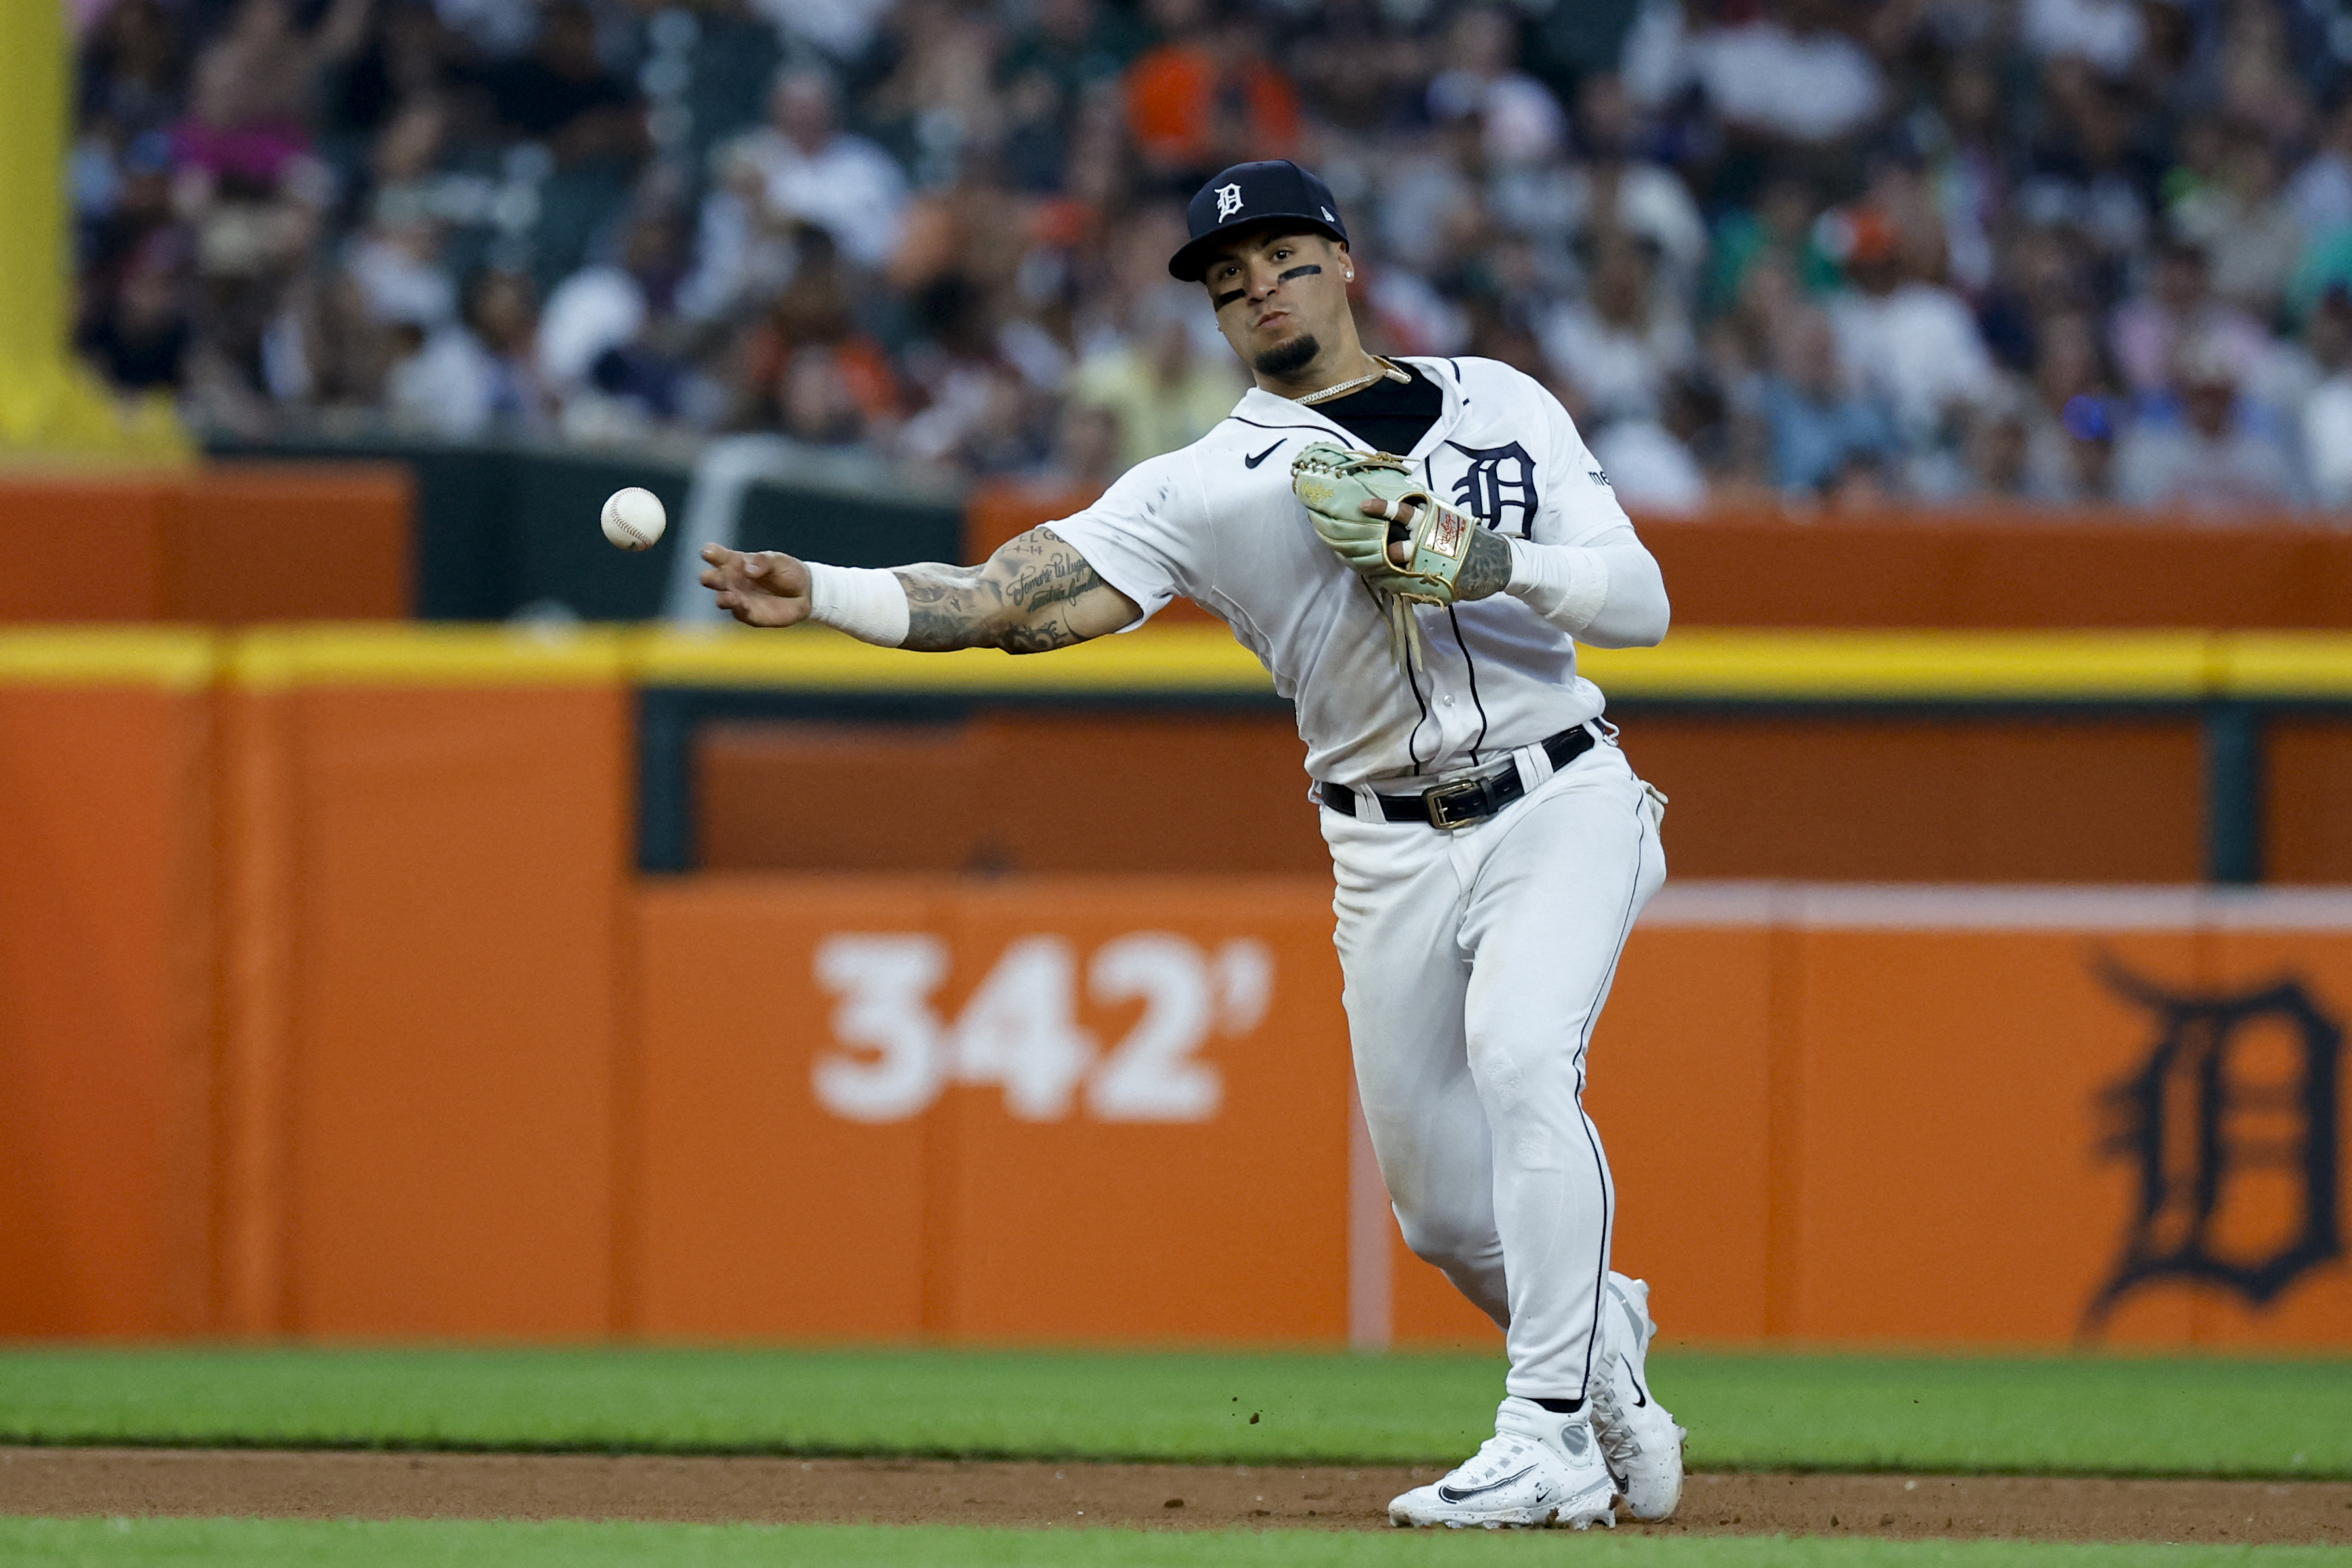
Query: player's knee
point(1518, 1062)
point(1445, 1237)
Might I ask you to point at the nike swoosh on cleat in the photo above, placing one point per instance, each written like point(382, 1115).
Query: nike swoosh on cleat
point(1450, 1495)
point(1262, 457)
point(1640, 1398)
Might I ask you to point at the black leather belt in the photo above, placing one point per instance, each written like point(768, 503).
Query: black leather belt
point(1464, 800)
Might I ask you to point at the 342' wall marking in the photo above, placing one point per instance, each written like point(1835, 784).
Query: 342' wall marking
point(1020, 1029)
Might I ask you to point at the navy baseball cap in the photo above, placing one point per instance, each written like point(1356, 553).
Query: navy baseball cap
point(1248, 195)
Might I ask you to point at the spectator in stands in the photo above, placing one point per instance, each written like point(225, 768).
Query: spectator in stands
point(1904, 337)
point(2108, 34)
point(922, 250)
point(2178, 306)
point(1519, 121)
point(608, 348)
point(2087, 167)
point(1997, 446)
point(1613, 188)
point(472, 377)
point(1619, 346)
point(1820, 431)
point(1158, 383)
point(1069, 49)
point(1779, 229)
point(250, 94)
point(2320, 194)
point(2069, 406)
point(842, 28)
point(1207, 97)
point(802, 167)
point(560, 94)
point(1085, 448)
point(807, 367)
point(2209, 459)
point(1794, 73)
point(2328, 414)
point(1650, 462)
point(138, 339)
point(2245, 224)
point(131, 68)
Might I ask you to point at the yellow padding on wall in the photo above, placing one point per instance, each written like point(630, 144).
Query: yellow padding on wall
point(2314, 665)
point(391, 654)
point(171, 657)
point(1913, 666)
point(1172, 658)
point(1697, 665)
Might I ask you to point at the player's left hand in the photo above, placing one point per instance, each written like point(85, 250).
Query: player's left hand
point(1368, 509)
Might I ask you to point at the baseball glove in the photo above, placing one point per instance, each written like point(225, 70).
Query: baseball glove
point(1334, 483)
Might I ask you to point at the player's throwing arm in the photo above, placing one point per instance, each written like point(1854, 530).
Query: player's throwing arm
point(1035, 593)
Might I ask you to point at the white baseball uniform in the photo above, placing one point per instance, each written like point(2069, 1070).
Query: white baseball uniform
point(1475, 960)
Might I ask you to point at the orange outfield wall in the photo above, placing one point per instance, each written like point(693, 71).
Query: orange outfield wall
point(225, 543)
point(328, 1006)
point(1906, 1115)
point(426, 957)
point(1990, 565)
point(1092, 1109)
point(1836, 1115)
point(105, 1060)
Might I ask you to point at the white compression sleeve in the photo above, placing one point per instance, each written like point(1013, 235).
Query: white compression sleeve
point(867, 603)
point(1608, 595)
point(1566, 586)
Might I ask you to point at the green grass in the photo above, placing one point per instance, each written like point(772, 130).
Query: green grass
point(246, 1543)
point(2084, 1415)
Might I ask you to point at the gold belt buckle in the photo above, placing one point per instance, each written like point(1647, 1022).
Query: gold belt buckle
point(1440, 801)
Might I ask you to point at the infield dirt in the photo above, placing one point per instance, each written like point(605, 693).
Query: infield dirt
point(69, 1482)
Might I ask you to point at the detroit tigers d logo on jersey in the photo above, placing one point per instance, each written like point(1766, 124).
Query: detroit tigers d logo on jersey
point(1229, 201)
point(2232, 1125)
point(1497, 480)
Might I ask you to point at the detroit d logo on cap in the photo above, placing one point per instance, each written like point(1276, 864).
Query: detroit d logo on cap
point(1229, 201)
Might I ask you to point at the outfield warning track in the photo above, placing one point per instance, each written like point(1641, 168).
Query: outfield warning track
point(265, 1483)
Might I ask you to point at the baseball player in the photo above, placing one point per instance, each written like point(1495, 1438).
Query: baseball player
point(1411, 547)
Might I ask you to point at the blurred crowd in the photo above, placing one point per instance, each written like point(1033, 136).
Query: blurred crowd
point(2056, 250)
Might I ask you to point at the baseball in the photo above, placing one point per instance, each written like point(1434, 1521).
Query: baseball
point(634, 518)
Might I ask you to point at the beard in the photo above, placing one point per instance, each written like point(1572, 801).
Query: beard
point(1286, 359)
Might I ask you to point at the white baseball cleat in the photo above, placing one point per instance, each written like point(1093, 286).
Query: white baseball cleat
point(1638, 1436)
point(1539, 1469)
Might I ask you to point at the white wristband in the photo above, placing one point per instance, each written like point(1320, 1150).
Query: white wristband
point(867, 603)
point(1566, 586)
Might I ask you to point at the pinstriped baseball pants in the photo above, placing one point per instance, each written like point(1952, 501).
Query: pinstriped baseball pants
point(1475, 967)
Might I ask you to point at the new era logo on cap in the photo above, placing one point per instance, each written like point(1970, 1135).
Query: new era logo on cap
point(1253, 194)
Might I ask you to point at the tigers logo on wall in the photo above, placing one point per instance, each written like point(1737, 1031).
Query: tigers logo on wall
point(2230, 1123)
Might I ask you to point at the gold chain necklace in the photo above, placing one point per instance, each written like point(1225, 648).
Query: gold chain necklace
point(1328, 394)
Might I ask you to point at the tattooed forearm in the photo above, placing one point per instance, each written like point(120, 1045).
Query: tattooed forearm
point(1487, 570)
point(947, 607)
point(1035, 593)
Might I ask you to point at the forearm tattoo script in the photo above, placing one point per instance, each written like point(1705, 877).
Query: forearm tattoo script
point(1019, 601)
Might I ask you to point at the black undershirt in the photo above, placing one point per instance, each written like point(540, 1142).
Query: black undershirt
point(1389, 416)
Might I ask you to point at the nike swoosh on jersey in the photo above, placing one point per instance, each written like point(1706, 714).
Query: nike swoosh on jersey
point(1262, 457)
point(1465, 1494)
